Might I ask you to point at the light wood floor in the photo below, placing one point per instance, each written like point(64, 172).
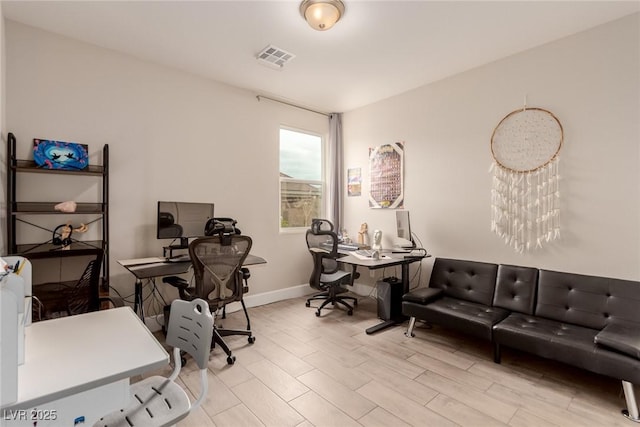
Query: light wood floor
point(305, 370)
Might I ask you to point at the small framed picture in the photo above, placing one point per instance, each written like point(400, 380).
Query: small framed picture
point(354, 185)
point(50, 154)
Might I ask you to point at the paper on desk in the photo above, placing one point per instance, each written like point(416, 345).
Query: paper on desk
point(140, 261)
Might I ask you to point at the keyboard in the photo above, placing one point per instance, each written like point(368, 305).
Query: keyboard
point(347, 247)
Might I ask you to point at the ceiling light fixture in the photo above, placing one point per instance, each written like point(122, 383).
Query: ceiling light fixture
point(322, 14)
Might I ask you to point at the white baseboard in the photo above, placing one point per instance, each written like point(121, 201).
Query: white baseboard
point(154, 322)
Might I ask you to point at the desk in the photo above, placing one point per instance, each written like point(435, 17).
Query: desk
point(79, 366)
point(374, 264)
point(150, 268)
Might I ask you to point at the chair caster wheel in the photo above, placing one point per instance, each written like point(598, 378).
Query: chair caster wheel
point(231, 360)
point(307, 304)
point(251, 340)
point(183, 360)
point(318, 313)
point(350, 313)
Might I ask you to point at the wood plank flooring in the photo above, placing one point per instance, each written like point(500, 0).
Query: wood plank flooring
point(305, 370)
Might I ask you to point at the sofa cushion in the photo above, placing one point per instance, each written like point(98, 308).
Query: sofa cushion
point(465, 280)
point(423, 295)
point(566, 343)
point(516, 288)
point(588, 301)
point(620, 337)
point(541, 336)
point(469, 317)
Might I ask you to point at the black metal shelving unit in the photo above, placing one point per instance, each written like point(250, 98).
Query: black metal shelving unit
point(16, 209)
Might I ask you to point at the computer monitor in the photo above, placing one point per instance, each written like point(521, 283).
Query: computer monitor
point(182, 220)
point(403, 229)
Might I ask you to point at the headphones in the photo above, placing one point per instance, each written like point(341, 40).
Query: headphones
point(223, 227)
point(57, 235)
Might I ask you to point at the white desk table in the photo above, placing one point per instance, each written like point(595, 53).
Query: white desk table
point(390, 260)
point(77, 368)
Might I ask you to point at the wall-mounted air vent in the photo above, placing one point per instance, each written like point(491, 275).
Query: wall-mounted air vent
point(274, 57)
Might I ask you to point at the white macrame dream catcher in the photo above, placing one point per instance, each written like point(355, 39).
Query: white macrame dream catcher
point(525, 195)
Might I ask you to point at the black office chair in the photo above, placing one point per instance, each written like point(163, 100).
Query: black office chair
point(83, 296)
point(326, 276)
point(217, 265)
point(226, 226)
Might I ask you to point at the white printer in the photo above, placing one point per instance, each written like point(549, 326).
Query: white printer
point(15, 312)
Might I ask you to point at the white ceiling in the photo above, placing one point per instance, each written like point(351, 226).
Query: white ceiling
point(378, 49)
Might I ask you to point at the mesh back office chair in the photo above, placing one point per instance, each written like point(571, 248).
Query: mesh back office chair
point(157, 400)
point(326, 276)
point(225, 226)
point(217, 265)
point(83, 296)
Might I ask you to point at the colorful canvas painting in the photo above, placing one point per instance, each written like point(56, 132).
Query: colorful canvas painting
point(354, 185)
point(50, 154)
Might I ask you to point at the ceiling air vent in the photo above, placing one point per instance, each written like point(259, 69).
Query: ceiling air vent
point(274, 57)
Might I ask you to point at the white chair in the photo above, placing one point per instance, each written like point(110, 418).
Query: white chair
point(157, 400)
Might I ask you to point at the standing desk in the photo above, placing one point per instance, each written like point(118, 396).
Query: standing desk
point(150, 268)
point(373, 264)
point(78, 367)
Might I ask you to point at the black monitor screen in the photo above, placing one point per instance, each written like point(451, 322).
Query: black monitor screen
point(182, 219)
point(403, 227)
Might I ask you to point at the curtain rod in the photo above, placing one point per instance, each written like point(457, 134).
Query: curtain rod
point(259, 97)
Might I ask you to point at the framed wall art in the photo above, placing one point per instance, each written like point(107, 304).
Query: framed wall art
point(386, 175)
point(49, 154)
point(354, 182)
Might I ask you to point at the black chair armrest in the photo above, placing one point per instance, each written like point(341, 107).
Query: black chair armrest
point(245, 276)
point(423, 295)
point(186, 293)
point(176, 281)
point(620, 337)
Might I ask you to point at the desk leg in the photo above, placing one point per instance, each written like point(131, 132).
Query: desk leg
point(381, 326)
point(354, 270)
point(399, 318)
point(138, 299)
point(405, 277)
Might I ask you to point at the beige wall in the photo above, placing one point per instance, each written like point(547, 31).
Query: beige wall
point(178, 136)
point(172, 136)
point(590, 81)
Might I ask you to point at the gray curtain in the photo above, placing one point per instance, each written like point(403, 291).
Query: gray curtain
point(335, 192)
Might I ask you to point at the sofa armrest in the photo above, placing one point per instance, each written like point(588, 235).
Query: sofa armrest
point(625, 339)
point(423, 295)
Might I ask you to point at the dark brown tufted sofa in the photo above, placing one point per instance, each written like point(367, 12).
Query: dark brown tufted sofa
point(586, 321)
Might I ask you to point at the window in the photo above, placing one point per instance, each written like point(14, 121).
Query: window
point(301, 178)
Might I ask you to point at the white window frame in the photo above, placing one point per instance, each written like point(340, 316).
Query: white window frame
point(322, 182)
